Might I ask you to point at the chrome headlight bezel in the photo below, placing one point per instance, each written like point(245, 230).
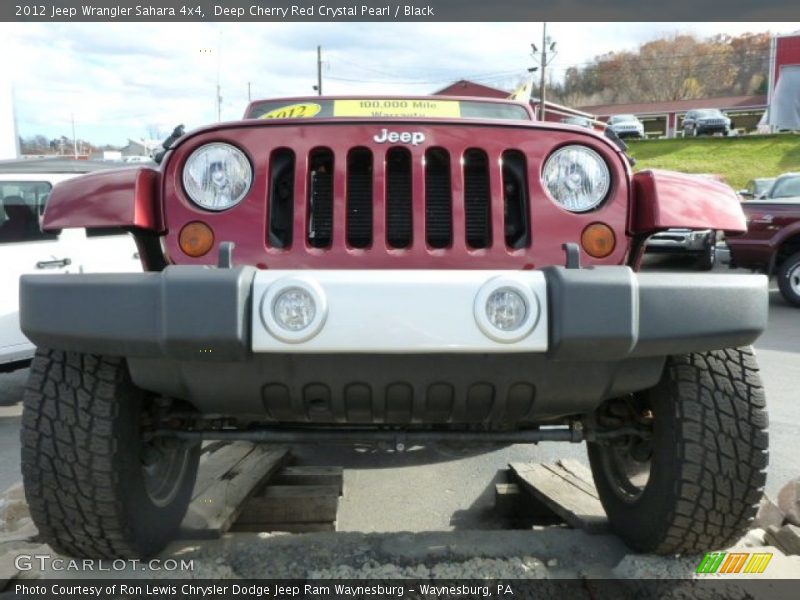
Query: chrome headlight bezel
point(584, 153)
point(241, 185)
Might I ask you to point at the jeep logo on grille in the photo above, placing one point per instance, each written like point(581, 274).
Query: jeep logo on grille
point(415, 138)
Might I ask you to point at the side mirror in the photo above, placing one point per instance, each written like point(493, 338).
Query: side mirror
point(745, 193)
point(176, 133)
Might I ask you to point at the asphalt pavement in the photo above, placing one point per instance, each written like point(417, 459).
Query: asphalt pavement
point(430, 489)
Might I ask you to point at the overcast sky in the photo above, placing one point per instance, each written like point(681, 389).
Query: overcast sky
point(123, 80)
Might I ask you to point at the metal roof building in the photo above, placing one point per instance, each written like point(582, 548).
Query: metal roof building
point(664, 118)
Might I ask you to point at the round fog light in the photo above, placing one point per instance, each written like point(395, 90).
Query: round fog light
point(506, 309)
point(294, 309)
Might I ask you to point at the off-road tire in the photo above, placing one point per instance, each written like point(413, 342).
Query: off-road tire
point(709, 457)
point(81, 460)
point(790, 268)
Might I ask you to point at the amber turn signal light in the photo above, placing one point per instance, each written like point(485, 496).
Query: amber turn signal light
point(598, 240)
point(196, 239)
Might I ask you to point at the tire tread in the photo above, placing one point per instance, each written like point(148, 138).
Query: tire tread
point(721, 446)
point(68, 454)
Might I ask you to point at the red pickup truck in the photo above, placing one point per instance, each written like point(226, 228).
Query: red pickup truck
point(772, 241)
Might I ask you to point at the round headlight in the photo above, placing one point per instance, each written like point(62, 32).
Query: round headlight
point(217, 176)
point(577, 178)
point(294, 309)
point(506, 309)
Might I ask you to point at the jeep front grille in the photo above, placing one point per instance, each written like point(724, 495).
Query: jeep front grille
point(398, 170)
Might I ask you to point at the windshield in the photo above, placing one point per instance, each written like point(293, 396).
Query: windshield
point(786, 187)
point(581, 121)
point(386, 107)
point(621, 118)
point(709, 112)
point(759, 186)
point(21, 208)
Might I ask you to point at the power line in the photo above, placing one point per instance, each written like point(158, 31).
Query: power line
point(495, 77)
point(443, 77)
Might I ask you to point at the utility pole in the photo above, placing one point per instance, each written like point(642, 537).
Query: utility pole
point(219, 87)
point(319, 71)
point(249, 99)
point(547, 45)
point(74, 140)
point(543, 65)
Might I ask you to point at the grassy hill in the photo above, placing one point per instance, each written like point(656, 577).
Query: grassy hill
point(738, 159)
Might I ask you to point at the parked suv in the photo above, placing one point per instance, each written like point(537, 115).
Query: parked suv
point(772, 242)
point(403, 270)
point(706, 121)
point(25, 187)
point(626, 126)
point(756, 189)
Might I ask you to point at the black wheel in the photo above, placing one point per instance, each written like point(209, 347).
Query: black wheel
point(693, 480)
point(789, 279)
point(708, 258)
point(95, 488)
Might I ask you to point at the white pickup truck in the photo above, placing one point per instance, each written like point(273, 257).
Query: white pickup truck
point(25, 187)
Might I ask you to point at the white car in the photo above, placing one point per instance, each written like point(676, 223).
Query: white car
point(626, 126)
point(24, 248)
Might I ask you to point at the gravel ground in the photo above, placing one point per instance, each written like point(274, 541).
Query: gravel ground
point(542, 553)
point(553, 552)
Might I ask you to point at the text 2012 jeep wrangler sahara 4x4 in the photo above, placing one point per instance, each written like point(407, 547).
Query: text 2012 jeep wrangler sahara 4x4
point(408, 270)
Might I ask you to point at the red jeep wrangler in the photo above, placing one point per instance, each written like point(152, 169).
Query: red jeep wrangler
point(409, 270)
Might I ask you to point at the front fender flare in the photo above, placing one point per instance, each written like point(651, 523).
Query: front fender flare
point(125, 198)
point(666, 200)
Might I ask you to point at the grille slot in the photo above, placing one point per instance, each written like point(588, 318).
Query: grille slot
point(359, 198)
point(516, 200)
point(477, 199)
point(398, 198)
point(320, 198)
point(438, 199)
point(281, 198)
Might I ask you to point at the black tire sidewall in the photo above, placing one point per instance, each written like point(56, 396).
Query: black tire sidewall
point(783, 279)
point(644, 522)
point(149, 526)
point(708, 259)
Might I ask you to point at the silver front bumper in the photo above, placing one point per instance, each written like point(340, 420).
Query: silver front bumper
point(391, 311)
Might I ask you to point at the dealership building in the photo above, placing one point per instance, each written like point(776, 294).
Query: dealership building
point(779, 109)
point(663, 119)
